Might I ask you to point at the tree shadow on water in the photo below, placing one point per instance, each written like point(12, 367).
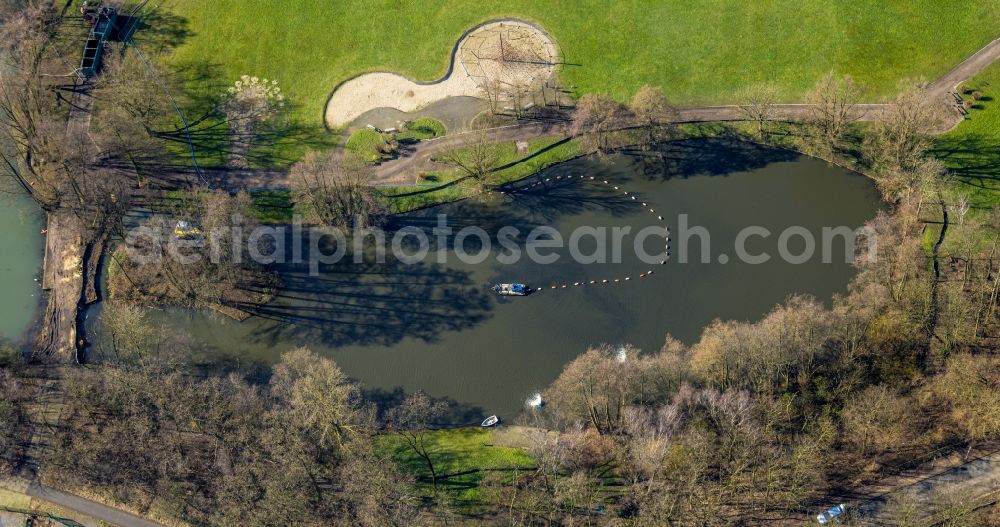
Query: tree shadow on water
point(372, 303)
point(457, 414)
point(522, 206)
point(706, 157)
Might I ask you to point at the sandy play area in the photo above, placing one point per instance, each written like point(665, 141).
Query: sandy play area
point(497, 56)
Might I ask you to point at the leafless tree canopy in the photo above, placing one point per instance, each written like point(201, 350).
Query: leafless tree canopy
point(834, 103)
point(757, 105)
point(895, 149)
point(595, 118)
point(337, 191)
point(478, 157)
point(654, 113)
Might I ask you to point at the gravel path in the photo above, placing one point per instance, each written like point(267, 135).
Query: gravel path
point(89, 508)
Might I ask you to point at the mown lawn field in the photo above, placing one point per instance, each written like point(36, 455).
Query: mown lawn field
point(699, 52)
point(542, 153)
point(972, 154)
point(463, 455)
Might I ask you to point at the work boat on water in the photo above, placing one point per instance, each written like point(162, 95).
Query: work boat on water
point(512, 289)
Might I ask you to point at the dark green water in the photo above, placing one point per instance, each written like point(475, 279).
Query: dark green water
point(438, 327)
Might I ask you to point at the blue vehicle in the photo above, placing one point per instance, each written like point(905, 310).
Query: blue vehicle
point(831, 515)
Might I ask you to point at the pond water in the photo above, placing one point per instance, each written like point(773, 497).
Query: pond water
point(20, 265)
point(438, 327)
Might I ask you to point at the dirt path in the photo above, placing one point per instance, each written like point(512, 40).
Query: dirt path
point(976, 480)
point(65, 267)
point(62, 277)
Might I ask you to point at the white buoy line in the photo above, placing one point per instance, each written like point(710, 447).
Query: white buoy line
point(604, 281)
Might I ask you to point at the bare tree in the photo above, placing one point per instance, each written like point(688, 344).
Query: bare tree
point(478, 157)
point(320, 398)
point(877, 420)
point(336, 191)
point(492, 91)
point(412, 420)
point(132, 117)
point(962, 208)
point(834, 110)
point(594, 120)
point(596, 388)
point(757, 103)
point(39, 155)
point(654, 113)
point(895, 147)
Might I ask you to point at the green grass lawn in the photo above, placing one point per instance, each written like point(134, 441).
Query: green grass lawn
point(422, 128)
point(699, 52)
point(542, 152)
point(972, 152)
point(273, 206)
point(454, 451)
point(365, 144)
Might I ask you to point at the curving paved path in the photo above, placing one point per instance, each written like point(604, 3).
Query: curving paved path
point(402, 170)
point(417, 158)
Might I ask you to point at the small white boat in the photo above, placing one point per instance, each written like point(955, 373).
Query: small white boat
point(511, 289)
point(490, 421)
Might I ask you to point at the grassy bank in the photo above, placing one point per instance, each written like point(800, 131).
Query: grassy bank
point(464, 455)
point(543, 152)
point(972, 154)
point(698, 52)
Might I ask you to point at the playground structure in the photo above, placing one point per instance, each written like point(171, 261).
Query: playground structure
point(509, 61)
